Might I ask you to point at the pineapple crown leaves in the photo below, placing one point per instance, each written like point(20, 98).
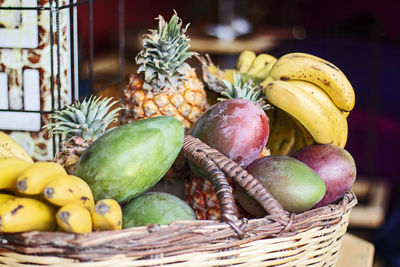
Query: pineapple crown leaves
point(88, 119)
point(244, 90)
point(165, 50)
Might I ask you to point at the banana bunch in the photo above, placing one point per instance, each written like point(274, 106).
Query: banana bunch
point(10, 148)
point(316, 97)
point(42, 196)
point(249, 65)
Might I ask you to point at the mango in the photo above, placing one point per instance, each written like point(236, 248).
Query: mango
point(128, 160)
point(334, 165)
point(155, 208)
point(292, 183)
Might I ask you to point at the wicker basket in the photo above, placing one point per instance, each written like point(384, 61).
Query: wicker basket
point(311, 238)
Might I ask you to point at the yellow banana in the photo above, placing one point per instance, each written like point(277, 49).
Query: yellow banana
point(264, 72)
point(302, 137)
point(306, 67)
point(26, 214)
point(5, 197)
point(69, 188)
point(282, 132)
point(336, 117)
point(74, 218)
point(9, 144)
point(260, 62)
point(107, 215)
point(246, 59)
point(304, 107)
point(10, 168)
point(34, 179)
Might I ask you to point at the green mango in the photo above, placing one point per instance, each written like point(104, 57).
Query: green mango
point(155, 208)
point(128, 160)
point(292, 183)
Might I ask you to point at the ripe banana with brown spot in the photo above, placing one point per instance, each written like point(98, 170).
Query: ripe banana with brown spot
point(69, 188)
point(282, 133)
point(336, 116)
point(74, 218)
point(107, 215)
point(245, 61)
point(10, 169)
point(7, 143)
point(260, 62)
point(304, 107)
point(26, 214)
point(306, 67)
point(34, 179)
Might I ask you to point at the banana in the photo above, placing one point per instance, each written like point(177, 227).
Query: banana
point(26, 214)
point(107, 215)
point(260, 62)
point(264, 72)
point(34, 179)
point(336, 117)
point(302, 137)
point(10, 168)
point(304, 107)
point(74, 218)
point(9, 144)
point(282, 132)
point(246, 59)
point(306, 67)
point(5, 197)
point(69, 188)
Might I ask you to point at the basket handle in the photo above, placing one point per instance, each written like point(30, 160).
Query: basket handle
point(215, 163)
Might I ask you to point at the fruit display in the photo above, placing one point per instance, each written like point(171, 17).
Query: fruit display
point(128, 160)
point(155, 208)
point(283, 120)
point(80, 124)
point(296, 186)
point(334, 165)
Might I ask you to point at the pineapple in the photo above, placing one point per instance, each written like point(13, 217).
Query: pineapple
point(165, 84)
point(80, 124)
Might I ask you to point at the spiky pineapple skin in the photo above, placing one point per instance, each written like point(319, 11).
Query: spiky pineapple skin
point(200, 195)
point(185, 102)
point(70, 153)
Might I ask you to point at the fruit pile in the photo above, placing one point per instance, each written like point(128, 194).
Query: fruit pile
point(283, 119)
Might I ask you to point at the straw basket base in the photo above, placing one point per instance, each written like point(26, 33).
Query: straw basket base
point(313, 239)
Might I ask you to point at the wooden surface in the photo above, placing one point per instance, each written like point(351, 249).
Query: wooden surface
point(373, 196)
point(355, 252)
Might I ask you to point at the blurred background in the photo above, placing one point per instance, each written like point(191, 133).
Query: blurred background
point(361, 37)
